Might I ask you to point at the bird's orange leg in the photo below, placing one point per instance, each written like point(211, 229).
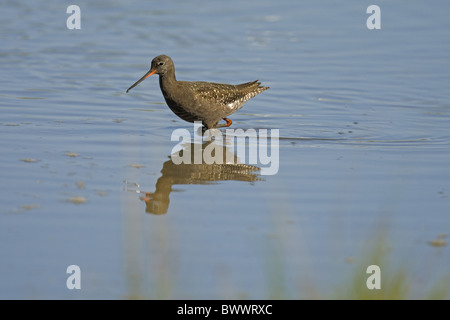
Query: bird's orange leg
point(229, 122)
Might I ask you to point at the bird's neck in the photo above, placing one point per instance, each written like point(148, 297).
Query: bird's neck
point(167, 80)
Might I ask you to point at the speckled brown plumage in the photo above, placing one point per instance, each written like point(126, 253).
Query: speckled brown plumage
point(207, 102)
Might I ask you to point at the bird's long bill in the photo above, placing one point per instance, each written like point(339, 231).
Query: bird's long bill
point(148, 74)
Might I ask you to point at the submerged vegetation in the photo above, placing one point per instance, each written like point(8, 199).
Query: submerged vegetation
point(397, 280)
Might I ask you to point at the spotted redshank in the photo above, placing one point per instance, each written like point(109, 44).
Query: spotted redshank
point(207, 102)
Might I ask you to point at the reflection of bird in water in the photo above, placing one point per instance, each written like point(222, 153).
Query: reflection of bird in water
point(158, 201)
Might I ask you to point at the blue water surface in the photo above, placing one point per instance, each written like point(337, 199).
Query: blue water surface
point(364, 149)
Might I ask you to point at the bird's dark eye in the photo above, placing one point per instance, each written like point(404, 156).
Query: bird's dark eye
point(161, 63)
